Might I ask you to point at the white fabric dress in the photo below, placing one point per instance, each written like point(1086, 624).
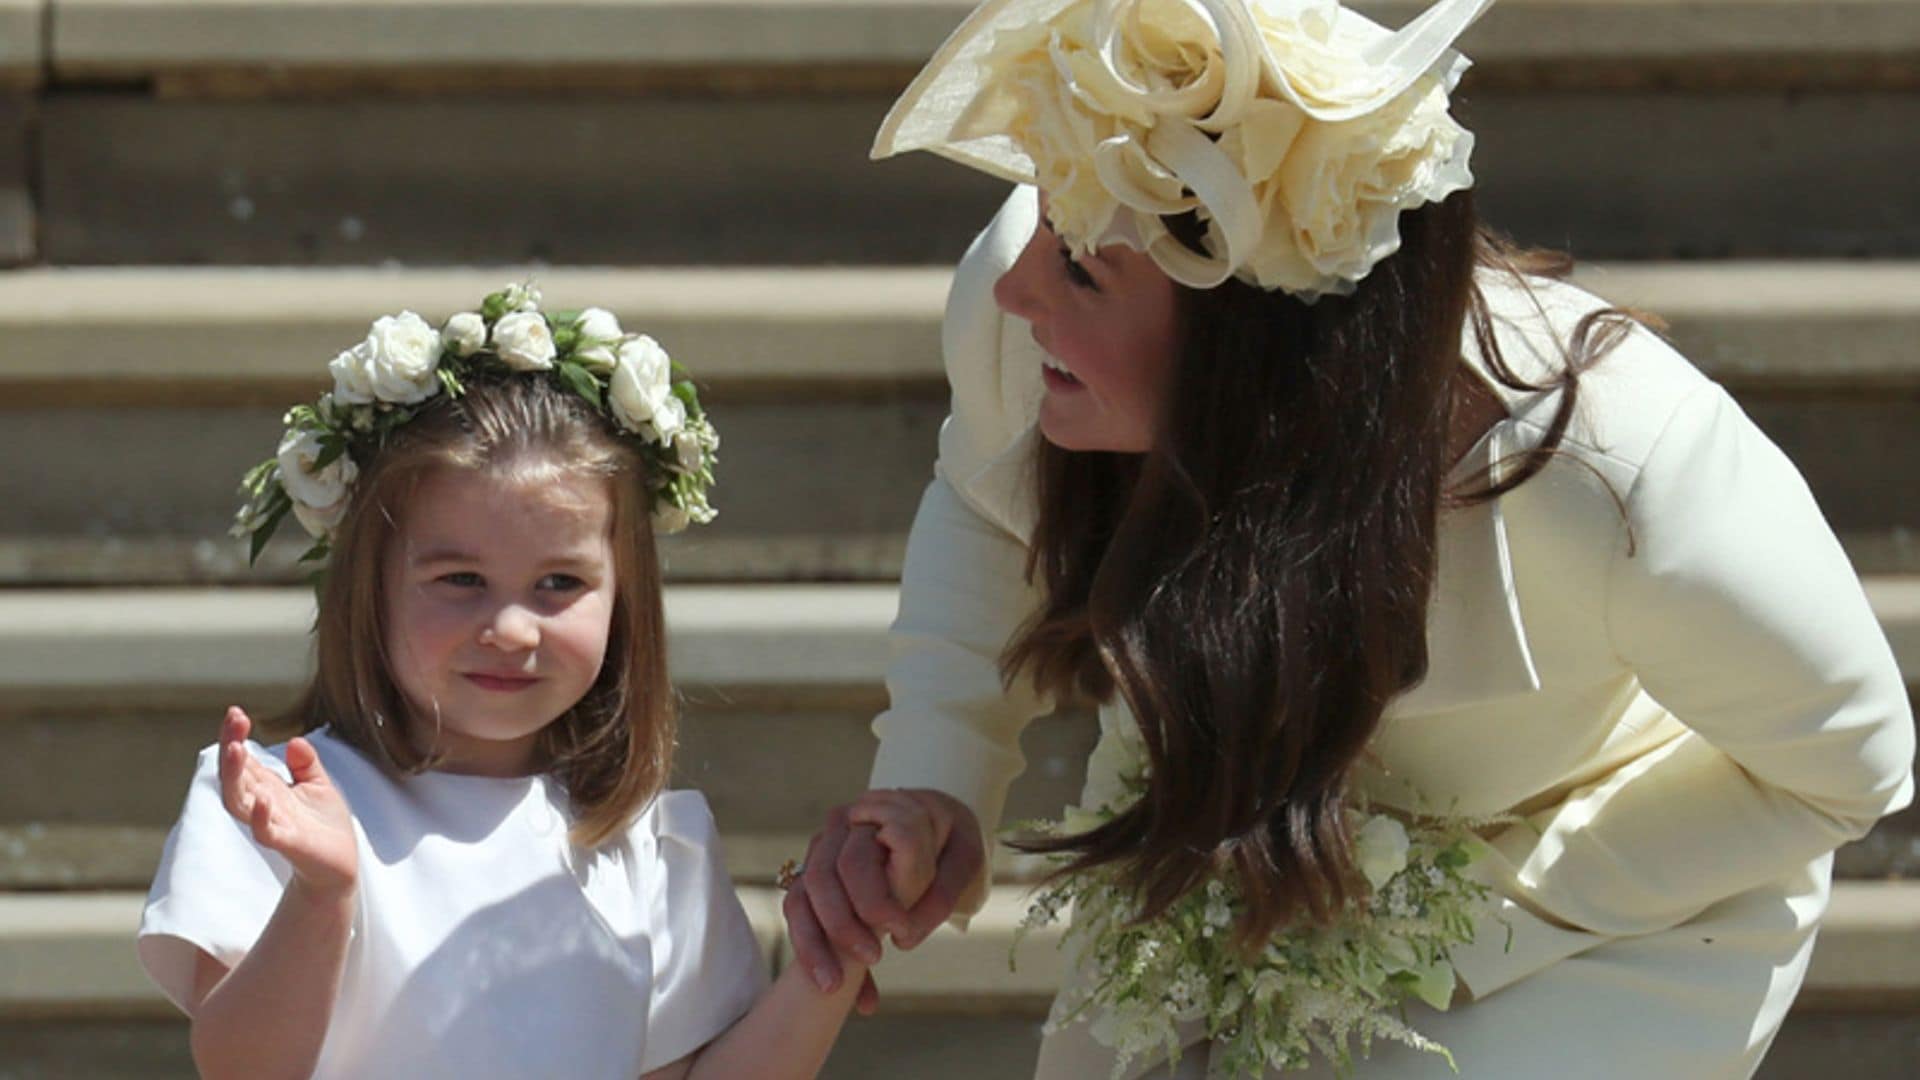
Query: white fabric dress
point(1654, 653)
point(485, 944)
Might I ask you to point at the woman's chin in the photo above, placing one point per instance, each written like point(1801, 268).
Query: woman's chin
point(1080, 436)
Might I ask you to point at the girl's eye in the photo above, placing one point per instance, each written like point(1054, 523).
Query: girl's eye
point(562, 583)
point(1075, 272)
point(465, 579)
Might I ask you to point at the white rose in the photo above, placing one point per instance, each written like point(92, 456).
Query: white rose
point(640, 387)
point(1381, 849)
point(669, 418)
point(353, 375)
point(320, 522)
point(319, 495)
point(403, 352)
point(524, 341)
point(688, 451)
point(523, 297)
point(465, 333)
point(1342, 186)
point(599, 333)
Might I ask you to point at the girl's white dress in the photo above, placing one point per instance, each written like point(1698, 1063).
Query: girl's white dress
point(485, 944)
point(1654, 654)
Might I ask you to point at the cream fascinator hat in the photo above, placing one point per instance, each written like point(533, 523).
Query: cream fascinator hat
point(1297, 129)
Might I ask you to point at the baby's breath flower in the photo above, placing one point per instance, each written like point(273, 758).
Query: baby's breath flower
point(1311, 992)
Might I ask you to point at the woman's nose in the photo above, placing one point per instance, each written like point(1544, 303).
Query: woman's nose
point(1018, 291)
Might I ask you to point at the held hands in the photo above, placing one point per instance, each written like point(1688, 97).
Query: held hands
point(306, 821)
point(892, 862)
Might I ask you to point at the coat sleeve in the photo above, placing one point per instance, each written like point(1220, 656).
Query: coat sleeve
point(952, 723)
point(1737, 610)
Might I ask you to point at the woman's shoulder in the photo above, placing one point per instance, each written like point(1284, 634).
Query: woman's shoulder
point(1627, 397)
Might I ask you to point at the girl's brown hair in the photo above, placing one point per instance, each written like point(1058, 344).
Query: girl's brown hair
point(611, 751)
point(1255, 586)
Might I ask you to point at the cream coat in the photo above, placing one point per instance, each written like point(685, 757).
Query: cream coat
point(1654, 653)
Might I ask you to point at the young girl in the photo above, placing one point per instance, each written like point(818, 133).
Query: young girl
point(467, 867)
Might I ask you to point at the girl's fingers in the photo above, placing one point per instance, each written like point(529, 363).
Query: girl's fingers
point(261, 820)
point(304, 762)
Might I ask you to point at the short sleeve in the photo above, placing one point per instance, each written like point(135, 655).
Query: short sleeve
point(215, 889)
point(708, 968)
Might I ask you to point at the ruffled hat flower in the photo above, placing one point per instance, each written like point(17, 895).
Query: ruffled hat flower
point(1296, 130)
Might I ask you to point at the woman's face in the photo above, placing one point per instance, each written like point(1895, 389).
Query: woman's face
point(1108, 325)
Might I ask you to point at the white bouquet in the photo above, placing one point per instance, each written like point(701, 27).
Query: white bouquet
point(1307, 990)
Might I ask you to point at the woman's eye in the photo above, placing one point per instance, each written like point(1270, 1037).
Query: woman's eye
point(465, 579)
point(1075, 272)
point(562, 583)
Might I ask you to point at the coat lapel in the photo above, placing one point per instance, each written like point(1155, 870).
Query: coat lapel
point(1476, 638)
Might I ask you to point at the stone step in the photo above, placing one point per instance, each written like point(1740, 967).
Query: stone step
point(118, 39)
point(22, 44)
point(691, 179)
point(253, 131)
point(255, 335)
point(842, 361)
point(70, 985)
point(130, 683)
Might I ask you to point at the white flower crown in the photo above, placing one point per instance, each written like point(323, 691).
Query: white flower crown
point(1297, 130)
point(385, 381)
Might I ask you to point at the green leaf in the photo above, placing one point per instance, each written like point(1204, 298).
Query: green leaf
point(565, 338)
point(282, 504)
point(318, 552)
point(330, 451)
point(494, 307)
point(581, 381)
point(566, 317)
point(256, 479)
point(688, 397)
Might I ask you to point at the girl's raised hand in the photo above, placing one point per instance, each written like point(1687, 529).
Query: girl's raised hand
point(306, 821)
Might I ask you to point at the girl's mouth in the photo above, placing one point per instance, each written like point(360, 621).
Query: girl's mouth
point(500, 683)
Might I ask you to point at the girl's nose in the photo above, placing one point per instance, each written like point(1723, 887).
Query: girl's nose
point(1018, 291)
point(512, 629)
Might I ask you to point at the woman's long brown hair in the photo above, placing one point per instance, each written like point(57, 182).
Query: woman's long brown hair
point(612, 750)
point(1255, 587)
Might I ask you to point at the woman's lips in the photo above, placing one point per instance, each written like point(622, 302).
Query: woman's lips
point(1057, 380)
point(502, 683)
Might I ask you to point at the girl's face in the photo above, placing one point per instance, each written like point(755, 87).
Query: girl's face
point(1108, 325)
point(500, 596)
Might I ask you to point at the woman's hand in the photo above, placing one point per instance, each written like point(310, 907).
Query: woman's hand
point(846, 898)
point(306, 821)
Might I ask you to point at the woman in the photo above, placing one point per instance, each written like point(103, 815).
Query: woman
point(1323, 494)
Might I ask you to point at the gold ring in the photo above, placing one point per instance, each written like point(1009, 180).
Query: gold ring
point(789, 873)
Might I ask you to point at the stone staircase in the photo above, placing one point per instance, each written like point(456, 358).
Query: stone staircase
point(203, 199)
